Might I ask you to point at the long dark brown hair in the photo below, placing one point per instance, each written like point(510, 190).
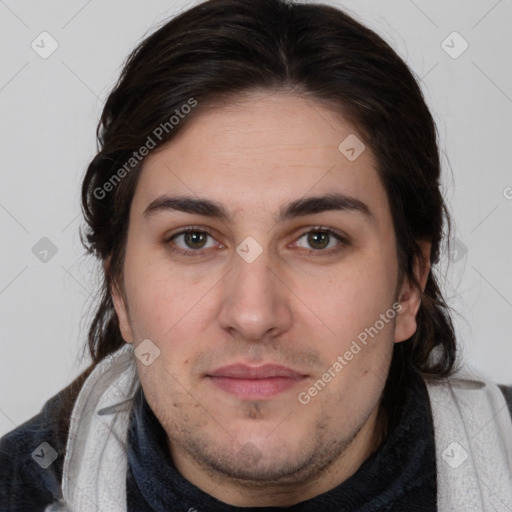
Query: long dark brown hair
point(223, 48)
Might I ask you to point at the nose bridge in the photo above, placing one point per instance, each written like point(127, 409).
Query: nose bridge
point(254, 302)
point(252, 275)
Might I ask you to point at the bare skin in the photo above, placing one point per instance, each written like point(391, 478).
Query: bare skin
point(299, 304)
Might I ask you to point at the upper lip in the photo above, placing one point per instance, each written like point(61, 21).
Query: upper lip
point(265, 371)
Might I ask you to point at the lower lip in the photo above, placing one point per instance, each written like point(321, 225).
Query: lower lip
point(254, 389)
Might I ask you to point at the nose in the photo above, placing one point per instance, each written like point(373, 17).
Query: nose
point(255, 301)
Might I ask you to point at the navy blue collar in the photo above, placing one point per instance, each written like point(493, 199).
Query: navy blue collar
point(399, 476)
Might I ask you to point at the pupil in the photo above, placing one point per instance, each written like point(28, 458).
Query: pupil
point(194, 239)
point(318, 240)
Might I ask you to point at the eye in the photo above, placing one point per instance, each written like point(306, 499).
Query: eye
point(192, 240)
point(320, 240)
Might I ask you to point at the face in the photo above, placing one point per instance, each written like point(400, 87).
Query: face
point(261, 263)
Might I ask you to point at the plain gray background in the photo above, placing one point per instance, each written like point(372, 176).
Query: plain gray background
point(49, 112)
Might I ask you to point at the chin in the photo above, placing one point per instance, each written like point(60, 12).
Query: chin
point(264, 463)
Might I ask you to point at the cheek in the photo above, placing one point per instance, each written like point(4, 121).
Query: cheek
point(348, 299)
point(160, 289)
point(163, 304)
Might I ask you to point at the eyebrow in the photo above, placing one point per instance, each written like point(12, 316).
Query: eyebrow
point(299, 208)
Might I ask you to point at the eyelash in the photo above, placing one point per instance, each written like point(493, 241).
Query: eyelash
point(311, 252)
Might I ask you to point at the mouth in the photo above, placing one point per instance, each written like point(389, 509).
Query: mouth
point(255, 382)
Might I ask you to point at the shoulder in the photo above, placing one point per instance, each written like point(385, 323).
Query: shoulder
point(466, 404)
point(507, 393)
point(32, 455)
point(464, 384)
point(473, 439)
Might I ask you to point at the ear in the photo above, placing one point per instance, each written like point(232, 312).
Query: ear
point(120, 306)
point(410, 295)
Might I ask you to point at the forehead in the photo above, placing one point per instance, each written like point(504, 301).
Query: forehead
point(261, 151)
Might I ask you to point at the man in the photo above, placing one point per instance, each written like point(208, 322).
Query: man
point(266, 207)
